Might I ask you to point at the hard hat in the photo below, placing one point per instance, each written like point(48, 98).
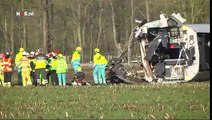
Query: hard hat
point(21, 49)
point(24, 53)
point(40, 50)
point(57, 51)
point(79, 69)
point(78, 48)
point(60, 55)
point(96, 50)
point(51, 55)
point(32, 53)
point(7, 53)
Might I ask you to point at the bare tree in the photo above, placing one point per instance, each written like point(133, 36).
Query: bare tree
point(132, 14)
point(12, 27)
point(114, 27)
point(147, 10)
point(24, 44)
point(45, 2)
point(100, 21)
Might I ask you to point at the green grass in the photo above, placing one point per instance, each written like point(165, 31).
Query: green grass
point(144, 101)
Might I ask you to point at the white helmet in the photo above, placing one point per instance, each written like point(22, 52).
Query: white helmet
point(32, 53)
point(24, 53)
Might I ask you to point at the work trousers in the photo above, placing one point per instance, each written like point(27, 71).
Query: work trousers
point(8, 78)
point(19, 75)
point(53, 75)
point(33, 78)
point(26, 77)
point(99, 74)
point(75, 66)
point(61, 78)
point(41, 73)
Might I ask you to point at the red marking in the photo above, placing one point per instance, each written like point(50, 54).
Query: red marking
point(21, 13)
point(171, 46)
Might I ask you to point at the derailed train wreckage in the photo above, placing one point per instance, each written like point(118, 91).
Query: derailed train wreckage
point(169, 51)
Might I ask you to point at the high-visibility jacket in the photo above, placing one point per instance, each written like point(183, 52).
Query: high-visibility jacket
point(7, 63)
point(103, 60)
point(40, 61)
point(1, 65)
point(53, 64)
point(99, 59)
point(17, 58)
point(76, 58)
point(96, 58)
point(25, 63)
point(61, 65)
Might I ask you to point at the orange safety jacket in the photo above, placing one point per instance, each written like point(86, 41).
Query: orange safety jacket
point(7, 64)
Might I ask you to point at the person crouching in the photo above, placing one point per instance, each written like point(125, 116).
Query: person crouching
point(62, 68)
point(80, 77)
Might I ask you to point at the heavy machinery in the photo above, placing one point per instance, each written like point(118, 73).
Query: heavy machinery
point(184, 50)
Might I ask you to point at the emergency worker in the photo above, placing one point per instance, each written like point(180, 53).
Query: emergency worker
point(17, 59)
point(76, 57)
point(32, 66)
point(52, 63)
point(62, 68)
point(25, 69)
point(7, 69)
point(57, 52)
point(1, 70)
point(79, 77)
point(40, 67)
point(100, 63)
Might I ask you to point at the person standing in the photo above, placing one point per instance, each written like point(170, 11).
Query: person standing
point(62, 68)
point(32, 66)
point(40, 67)
point(76, 58)
point(102, 69)
point(7, 69)
point(25, 69)
point(1, 70)
point(96, 58)
point(52, 63)
point(17, 64)
point(100, 63)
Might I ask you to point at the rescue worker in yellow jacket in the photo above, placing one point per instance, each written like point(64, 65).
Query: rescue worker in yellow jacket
point(52, 66)
point(1, 70)
point(17, 59)
point(40, 67)
point(76, 58)
point(100, 63)
point(25, 69)
point(62, 69)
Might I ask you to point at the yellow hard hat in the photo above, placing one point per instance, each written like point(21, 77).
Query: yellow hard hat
point(21, 49)
point(96, 50)
point(79, 69)
point(78, 48)
point(60, 55)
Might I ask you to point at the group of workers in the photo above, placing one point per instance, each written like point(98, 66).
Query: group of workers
point(37, 68)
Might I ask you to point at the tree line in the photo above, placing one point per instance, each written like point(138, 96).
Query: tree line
point(66, 24)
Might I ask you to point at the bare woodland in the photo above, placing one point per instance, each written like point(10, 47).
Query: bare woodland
point(65, 24)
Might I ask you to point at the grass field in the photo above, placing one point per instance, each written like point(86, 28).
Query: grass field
point(143, 101)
